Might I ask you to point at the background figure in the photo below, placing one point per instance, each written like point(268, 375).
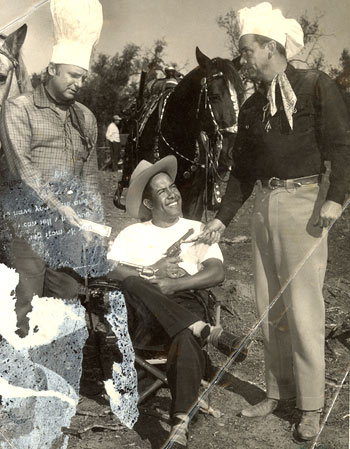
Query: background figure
point(113, 137)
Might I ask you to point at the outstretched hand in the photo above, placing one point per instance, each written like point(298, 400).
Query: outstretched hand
point(212, 232)
point(330, 211)
point(70, 215)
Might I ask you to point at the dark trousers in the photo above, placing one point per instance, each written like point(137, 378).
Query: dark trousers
point(115, 154)
point(165, 320)
point(36, 278)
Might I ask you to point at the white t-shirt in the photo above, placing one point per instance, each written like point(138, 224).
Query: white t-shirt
point(144, 244)
point(112, 133)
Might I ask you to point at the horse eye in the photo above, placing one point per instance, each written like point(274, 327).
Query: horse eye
point(3, 79)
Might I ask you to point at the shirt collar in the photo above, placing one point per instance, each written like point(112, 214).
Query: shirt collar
point(43, 99)
point(40, 97)
point(290, 72)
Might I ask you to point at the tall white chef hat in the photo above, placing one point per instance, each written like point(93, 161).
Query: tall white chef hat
point(271, 23)
point(77, 27)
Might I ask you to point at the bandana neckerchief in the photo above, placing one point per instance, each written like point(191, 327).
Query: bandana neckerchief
point(289, 98)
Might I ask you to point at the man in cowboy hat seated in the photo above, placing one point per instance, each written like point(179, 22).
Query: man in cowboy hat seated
point(167, 293)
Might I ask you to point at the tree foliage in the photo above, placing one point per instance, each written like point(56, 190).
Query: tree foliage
point(114, 80)
point(110, 83)
point(344, 65)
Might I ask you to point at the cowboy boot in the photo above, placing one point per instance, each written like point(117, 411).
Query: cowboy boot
point(309, 425)
point(263, 408)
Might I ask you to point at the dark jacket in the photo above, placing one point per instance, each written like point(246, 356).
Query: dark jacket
point(321, 131)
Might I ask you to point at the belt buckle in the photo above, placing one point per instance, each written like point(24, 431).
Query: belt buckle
point(269, 185)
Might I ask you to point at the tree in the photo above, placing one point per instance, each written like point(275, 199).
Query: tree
point(312, 54)
point(343, 71)
point(228, 22)
point(113, 81)
point(110, 83)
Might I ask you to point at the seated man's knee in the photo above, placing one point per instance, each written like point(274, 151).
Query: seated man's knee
point(185, 337)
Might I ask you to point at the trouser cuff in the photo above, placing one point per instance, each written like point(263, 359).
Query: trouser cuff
point(281, 391)
point(310, 403)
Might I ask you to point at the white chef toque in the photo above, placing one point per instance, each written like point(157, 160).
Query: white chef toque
point(77, 27)
point(268, 22)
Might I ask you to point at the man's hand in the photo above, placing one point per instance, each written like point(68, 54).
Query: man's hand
point(212, 232)
point(87, 236)
point(330, 211)
point(70, 215)
point(167, 266)
point(165, 285)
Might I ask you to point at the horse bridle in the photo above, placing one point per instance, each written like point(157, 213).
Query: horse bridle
point(15, 67)
point(207, 104)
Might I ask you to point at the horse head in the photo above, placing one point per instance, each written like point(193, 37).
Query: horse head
point(221, 93)
point(11, 65)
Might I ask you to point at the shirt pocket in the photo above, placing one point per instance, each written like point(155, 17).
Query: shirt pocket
point(252, 123)
point(304, 114)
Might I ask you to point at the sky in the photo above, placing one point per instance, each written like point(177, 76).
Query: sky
point(184, 24)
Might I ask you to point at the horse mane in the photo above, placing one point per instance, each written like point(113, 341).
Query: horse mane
point(23, 78)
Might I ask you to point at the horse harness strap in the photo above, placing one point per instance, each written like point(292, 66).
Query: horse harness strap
point(204, 90)
point(15, 66)
point(160, 134)
point(10, 57)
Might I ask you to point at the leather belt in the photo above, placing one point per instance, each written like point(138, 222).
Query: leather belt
point(274, 183)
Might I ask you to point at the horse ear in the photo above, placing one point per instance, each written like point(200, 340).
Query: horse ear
point(202, 59)
point(15, 40)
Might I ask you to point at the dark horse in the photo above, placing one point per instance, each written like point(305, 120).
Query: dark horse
point(206, 100)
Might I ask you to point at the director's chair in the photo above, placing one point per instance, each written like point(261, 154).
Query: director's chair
point(148, 359)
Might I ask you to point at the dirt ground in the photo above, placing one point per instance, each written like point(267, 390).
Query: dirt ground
point(95, 427)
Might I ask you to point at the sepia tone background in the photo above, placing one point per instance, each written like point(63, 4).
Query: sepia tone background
point(182, 25)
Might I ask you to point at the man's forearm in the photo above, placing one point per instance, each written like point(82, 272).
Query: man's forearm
point(120, 273)
point(236, 194)
point(211, 275)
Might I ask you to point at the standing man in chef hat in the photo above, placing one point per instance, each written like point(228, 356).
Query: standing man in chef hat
point(49, 141)
point(287, 130)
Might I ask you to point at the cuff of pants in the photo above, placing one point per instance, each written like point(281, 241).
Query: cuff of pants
point(178, 327)
point(287, 391)
point(310, 402)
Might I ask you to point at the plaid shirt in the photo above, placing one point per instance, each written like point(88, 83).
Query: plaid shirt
point(41, 147)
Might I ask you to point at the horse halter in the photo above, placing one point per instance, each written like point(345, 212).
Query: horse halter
point(207, 104)
point(15, 66)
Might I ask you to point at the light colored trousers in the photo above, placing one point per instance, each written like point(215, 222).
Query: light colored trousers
point(286, 244)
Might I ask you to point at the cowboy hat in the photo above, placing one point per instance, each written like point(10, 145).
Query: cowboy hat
point(139, 179)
